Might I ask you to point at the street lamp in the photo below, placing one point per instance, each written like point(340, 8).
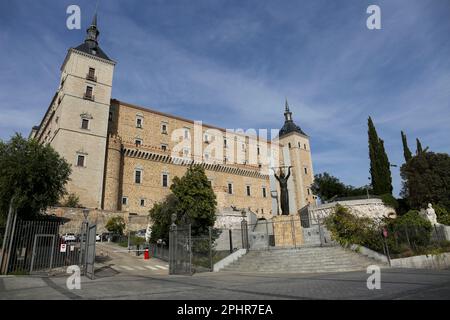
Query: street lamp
point(85, 214)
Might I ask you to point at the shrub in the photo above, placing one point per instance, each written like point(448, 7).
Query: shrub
point(443, 215)
point(116, 225)
point(347, 229)
point(72, 201)
point(411, 228)
point(389, 200)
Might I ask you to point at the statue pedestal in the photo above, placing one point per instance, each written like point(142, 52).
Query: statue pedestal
point(287, 231)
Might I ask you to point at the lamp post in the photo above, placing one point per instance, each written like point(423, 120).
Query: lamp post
point(83, 242)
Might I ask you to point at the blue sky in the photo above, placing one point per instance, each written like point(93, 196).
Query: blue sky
point(232, 63)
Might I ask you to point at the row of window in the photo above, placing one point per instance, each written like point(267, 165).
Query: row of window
point(138, 178)
point(125, 202)
point(142, 201)
point(299, 145)
point(248, 190)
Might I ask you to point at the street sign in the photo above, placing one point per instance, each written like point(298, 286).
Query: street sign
point(63, 247)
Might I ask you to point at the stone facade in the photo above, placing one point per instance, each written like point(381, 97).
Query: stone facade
point(130, 154)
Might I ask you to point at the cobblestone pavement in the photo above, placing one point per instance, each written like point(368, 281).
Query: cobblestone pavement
point(395, 284)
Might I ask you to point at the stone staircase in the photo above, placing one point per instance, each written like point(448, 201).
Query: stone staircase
point(312, 259)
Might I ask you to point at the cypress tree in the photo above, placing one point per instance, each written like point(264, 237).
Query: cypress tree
point(406, 152)
point(379, 163)
point(419, 149)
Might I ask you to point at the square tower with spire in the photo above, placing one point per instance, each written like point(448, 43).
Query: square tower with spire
point(296, 152)
point(76, 122)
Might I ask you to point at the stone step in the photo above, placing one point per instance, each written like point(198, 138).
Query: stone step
point(306, 259)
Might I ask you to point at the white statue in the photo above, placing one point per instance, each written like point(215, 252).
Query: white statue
point(431, 214)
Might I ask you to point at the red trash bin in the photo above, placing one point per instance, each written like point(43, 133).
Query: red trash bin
point(146, 255)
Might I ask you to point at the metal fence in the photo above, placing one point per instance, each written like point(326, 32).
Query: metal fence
point(45, 245)
point(396, 241)
point(290, 232)
point(159, 250)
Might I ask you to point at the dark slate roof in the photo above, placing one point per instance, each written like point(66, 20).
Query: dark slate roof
point(87, 48)
point(288, 127)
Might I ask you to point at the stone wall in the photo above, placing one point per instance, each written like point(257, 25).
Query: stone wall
point(287, 231)
point(371, 208)
point(100, 217)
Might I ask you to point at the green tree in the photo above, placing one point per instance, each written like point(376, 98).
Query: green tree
point(406, 152)
point(326, 186)
point(160, 215)
point(116, 225)
point(192, 200)
point(426, 179)
point(196, 199)
point(32, 174)
point(419, 149)
point(379, 163)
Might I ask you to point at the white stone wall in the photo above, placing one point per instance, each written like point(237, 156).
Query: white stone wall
point(371, 208)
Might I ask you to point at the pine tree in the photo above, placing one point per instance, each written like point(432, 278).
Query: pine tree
point(379, 163)
point(406, 152)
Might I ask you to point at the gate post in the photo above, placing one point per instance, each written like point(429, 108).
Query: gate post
point(244, 231)
point(210, 250)
point(6, 239)
point(320, 231)
point(172, 244)
point(293, 232)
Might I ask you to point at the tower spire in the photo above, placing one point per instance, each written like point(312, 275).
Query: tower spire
point(287, 112)
point(92, 33)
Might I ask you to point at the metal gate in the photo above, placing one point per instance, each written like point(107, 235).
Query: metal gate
point(180, 250)
point(42, 256)
point(46, 245)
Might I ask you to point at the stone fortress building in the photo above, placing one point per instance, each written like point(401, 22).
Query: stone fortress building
point(124, 156)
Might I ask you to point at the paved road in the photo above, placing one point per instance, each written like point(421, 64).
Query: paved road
point(110, 284)
point(120, 260)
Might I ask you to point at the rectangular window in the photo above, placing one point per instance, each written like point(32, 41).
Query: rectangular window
point(84, 124)
point(230, 188)
point(91, 74)
point(164, 128)
point(306, 170)
point(80, 160)
point(165, 181)
point(138, 122)
point(305, 146)
point(124, 201)
point(88, 93)
point(309, 191)
point(248, 191)
point(225, 143)
point(142, 203)
point(138, 142)
point(164, 147)
point(186, 133)
point(258, 150)
point(110, 116)
point(264, 193)
point(137, 176)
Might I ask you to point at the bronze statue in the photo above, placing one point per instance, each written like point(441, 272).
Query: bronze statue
point(284, 196)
